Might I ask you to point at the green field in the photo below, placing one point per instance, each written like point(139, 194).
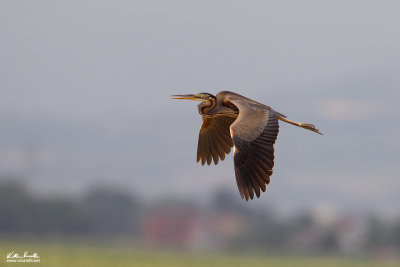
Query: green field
point(75, 253)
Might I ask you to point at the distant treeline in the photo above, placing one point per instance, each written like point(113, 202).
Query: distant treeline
point(101, 212)
point(226, 223)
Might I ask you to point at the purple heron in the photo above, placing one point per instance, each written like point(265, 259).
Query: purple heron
point(230, 119)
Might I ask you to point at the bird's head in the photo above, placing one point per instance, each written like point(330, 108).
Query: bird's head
point(196, 97)
point(208, 102)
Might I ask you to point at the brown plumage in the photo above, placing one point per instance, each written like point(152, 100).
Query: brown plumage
point(230, 119)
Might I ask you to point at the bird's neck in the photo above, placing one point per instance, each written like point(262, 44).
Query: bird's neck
point(206, 106)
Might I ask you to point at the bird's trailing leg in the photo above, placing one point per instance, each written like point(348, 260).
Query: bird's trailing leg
point(301, 124)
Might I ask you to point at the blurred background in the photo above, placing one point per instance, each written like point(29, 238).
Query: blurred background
point(92, 147)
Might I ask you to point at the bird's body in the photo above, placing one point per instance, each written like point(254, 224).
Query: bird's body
point(230, 119)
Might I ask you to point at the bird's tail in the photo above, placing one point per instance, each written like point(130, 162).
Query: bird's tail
point(302, 125)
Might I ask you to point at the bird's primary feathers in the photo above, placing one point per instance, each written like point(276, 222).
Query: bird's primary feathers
point(230, 119)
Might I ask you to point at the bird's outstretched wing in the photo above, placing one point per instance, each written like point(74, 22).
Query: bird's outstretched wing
point(254, 133)
point(214, 139)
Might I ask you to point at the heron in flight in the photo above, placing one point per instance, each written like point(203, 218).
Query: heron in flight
point(230, 119)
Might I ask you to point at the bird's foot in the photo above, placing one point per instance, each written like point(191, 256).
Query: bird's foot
point(310, 127)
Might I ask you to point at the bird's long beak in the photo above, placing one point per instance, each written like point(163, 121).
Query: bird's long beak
point(187, 97)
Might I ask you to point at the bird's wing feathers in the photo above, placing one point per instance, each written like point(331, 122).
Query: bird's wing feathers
point(254, 133)
point(214, 139)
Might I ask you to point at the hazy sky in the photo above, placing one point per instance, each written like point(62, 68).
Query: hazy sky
point(85, 91)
